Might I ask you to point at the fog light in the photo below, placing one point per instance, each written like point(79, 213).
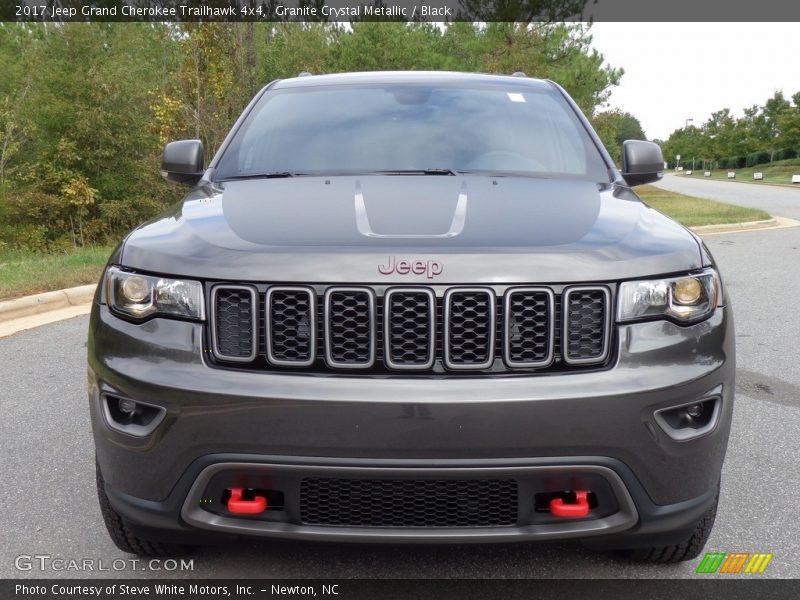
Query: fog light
point(131, 416)
point(688, 421)
point(126, 407)
point(695, 411)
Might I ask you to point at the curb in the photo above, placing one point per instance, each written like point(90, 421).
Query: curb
point(46, 302)
point(773, 223)
point(791, 186)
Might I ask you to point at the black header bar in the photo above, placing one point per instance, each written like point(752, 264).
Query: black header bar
point(400, 10)
point(734, 588)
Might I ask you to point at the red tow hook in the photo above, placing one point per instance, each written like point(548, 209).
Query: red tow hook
point(571, 511)
point(245, 507)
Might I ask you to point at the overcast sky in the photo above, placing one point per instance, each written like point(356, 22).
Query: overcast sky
point(675, 71)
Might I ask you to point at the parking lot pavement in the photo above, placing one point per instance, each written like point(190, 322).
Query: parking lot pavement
point(48, 467)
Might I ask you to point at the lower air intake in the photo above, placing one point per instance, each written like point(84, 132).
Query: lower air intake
point(409, 502)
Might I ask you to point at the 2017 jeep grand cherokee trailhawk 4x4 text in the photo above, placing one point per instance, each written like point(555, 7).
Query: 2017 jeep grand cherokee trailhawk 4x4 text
point(412, 307)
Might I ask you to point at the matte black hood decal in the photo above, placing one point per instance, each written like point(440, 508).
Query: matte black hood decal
point(409, 211)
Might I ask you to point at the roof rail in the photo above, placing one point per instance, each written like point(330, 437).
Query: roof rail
point(518, 74)
point(304, 74)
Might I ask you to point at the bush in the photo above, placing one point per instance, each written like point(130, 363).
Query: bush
point(757, 158)
point(24, 236)
point(733, 162)
point(785, 153)
point(119, 216)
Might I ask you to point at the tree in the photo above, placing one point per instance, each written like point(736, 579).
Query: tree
point(763, 134)
point(752, 132)
point(212, 84)
point(14, 88)
point(688, 142)
point(89, 141)
point(290, 48)
point(789, 126)
point(614, 127)
point(561, 52)
point(387, 46)
point(719, 136)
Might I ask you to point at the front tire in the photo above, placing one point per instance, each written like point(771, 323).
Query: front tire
point(687, 550)
point(123, 536)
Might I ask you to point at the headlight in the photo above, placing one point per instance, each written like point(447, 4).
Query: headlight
point(684, 299)
point(141, 296)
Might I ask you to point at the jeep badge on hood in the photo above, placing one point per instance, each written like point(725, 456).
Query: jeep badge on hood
point(431, 268)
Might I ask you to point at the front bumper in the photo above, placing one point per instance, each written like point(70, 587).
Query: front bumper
point(602, 420)
point(634, 521)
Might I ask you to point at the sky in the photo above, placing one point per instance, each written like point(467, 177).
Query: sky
point(679, 71)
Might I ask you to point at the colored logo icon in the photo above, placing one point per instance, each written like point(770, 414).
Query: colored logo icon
point(734, 562)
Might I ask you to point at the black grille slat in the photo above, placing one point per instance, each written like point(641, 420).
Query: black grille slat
point(585, 316)
point(409, 502)
point(350, 327)
point(469, 328)
point(409, 328)
point(291, 322)
point(235, 334)
point(529, 327)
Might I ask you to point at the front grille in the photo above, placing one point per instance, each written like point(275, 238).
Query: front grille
point(586, 322)
point(437, 329)
point(409, 328)
point(409, 502)
point(291, 325)
point(469, 328)
point(529, 327)
point(234, 317)
point(350, 327)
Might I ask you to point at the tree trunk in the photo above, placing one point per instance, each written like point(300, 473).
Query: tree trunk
point(72, 232)
point(80, 229)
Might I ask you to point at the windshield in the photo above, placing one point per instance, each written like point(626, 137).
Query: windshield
point(413, 128)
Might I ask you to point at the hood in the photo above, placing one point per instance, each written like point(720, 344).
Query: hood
point(373, 229)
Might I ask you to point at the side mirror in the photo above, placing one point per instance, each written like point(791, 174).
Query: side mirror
point(642, 162)
point(183, 162)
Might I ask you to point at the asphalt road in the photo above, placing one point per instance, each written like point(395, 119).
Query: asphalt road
point(776, 200)
point(47, 468)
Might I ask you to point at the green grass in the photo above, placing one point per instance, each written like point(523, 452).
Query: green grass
point(777, 172)
point(23, 273)
point(694, 212)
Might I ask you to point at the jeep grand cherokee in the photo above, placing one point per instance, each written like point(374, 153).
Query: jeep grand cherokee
point(411, 307)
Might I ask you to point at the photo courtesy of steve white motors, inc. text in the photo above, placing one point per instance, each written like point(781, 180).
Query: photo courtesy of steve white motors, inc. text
point(194, 590)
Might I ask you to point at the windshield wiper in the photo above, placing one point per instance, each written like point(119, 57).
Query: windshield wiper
point(286, 174)
point(267, 175)
point(417, 172)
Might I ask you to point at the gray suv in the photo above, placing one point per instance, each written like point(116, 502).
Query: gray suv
point(411, 307)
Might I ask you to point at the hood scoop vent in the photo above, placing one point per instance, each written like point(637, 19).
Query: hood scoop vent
point(365, 227)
